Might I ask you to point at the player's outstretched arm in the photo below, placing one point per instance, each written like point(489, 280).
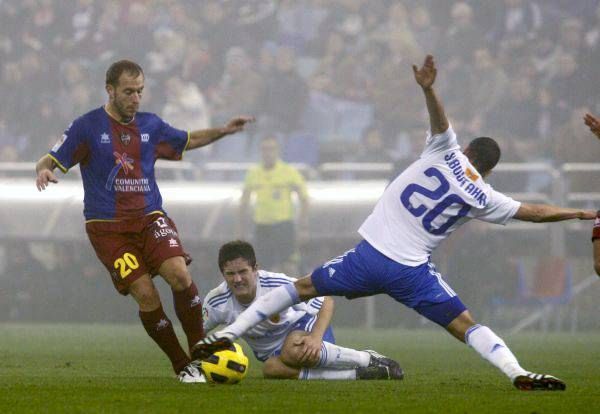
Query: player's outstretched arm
point(544, 213)
point(425, 77)
point(43, 170)
point(203, 137)
point(311, 344)
point(594, 124)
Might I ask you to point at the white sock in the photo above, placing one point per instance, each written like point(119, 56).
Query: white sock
point(264, 306)
point(483, 340)
point(338, 357)
point(327, 374)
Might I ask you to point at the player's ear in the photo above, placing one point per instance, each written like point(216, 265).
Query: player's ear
point(110, 90)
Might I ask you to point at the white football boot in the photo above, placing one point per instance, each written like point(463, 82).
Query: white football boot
point(191, 374)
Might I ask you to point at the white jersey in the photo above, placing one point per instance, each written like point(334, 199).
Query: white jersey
point(222, 308)
point(429, 200)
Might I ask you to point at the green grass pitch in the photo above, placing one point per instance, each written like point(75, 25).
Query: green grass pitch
point(110, 368)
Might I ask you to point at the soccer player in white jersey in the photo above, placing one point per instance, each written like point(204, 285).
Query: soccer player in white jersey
point(296, 342)
point(441, 190)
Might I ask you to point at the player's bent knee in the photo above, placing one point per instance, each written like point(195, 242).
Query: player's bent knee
point(290, 352)
point(305, 288)
point(175, 272)
point(291, 356)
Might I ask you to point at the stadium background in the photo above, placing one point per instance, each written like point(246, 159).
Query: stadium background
point(322, 76)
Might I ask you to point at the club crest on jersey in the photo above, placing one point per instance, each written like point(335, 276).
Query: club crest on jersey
point(125, 138)
point(145, 137)
point(472, 176)
point(275, 318)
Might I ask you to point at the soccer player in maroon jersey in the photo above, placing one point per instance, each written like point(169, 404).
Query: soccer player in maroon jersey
point(594, 124)
point(116, 148)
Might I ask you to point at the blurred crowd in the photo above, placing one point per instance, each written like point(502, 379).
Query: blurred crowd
point(331, 79)
point(319, 74)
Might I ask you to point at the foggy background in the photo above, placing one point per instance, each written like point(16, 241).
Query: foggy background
point(332, 81)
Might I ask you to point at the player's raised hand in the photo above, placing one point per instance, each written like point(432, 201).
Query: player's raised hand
point(44, 178)
point(237, 124)
point(425, 76)
point(592, 122)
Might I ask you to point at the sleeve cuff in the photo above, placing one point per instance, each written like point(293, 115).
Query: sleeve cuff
point(58, 164)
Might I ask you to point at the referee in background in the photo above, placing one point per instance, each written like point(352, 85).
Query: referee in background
point(273, 183)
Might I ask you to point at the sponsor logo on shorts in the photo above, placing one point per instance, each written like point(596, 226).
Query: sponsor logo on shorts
point(160, 233)
point(164, 230)
point(161, 222)
point(205, 314)
point(331, 271)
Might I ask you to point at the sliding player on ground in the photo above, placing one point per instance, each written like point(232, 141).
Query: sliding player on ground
point(295, 343)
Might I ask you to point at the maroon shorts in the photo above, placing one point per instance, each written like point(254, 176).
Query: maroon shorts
point(131, 248)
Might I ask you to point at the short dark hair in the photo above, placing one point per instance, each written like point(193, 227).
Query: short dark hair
point(115, 71)
point(237, 249)
point(484, 153)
